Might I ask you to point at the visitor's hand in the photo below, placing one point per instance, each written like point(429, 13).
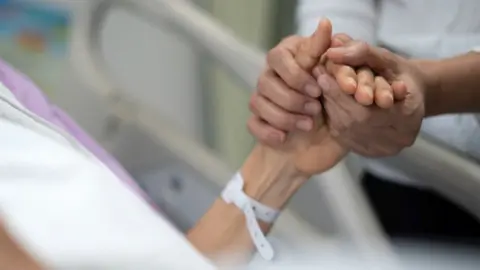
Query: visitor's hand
point(373, 131)
point(288, 97)
point(289, 76)
point(366, 87)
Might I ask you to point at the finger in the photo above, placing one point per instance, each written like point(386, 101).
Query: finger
point(278, 117)
point(265, 133)
point(346, 76)
point(274, 89)
point(357, 54)
point(364, 94)
point(282, 61)
point(340, 39)
point(315, 46)
point(383, 93)
point(336, 43)
point(399, 90)
point(342, 109)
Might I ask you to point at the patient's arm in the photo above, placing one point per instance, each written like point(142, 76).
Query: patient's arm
point(271, 176)
point(271, 179)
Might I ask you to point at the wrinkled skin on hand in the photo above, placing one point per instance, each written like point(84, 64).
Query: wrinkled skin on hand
point(369, 130)
point(380, 124)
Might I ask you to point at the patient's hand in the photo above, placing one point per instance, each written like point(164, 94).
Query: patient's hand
point(313, 149)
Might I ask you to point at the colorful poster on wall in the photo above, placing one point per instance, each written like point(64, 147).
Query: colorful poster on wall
point(33, 39)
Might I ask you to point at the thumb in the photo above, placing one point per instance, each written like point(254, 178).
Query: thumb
point(313, 47)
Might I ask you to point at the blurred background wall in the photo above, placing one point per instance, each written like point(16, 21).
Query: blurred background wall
point(228, 99)
point(262, 24)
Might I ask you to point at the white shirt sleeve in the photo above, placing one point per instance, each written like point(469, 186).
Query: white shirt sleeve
point(356, 18)
point(71, 212)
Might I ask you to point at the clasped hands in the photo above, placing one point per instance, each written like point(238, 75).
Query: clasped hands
point(322, 96)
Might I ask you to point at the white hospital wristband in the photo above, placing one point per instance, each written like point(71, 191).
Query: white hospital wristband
point(253, 210)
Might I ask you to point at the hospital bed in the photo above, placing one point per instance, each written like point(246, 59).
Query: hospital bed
point(189, 165)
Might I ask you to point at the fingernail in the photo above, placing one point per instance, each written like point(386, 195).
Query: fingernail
point(312, 108)
point(312, 90)
point(352, 82)
point(387, 99)
point(323, 82)
point(305, 125)
point(368, 91)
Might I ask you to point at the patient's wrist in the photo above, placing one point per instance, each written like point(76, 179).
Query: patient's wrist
point(271, 177)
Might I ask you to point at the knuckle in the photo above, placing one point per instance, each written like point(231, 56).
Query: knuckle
point(290, 39)
point(262, 137)
point(258, 131)
point(252, 104)
point(295, 82)
point(342, 37)
point(273, 55)
point(295, 76)
point(363, 46)
point(263, 83)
